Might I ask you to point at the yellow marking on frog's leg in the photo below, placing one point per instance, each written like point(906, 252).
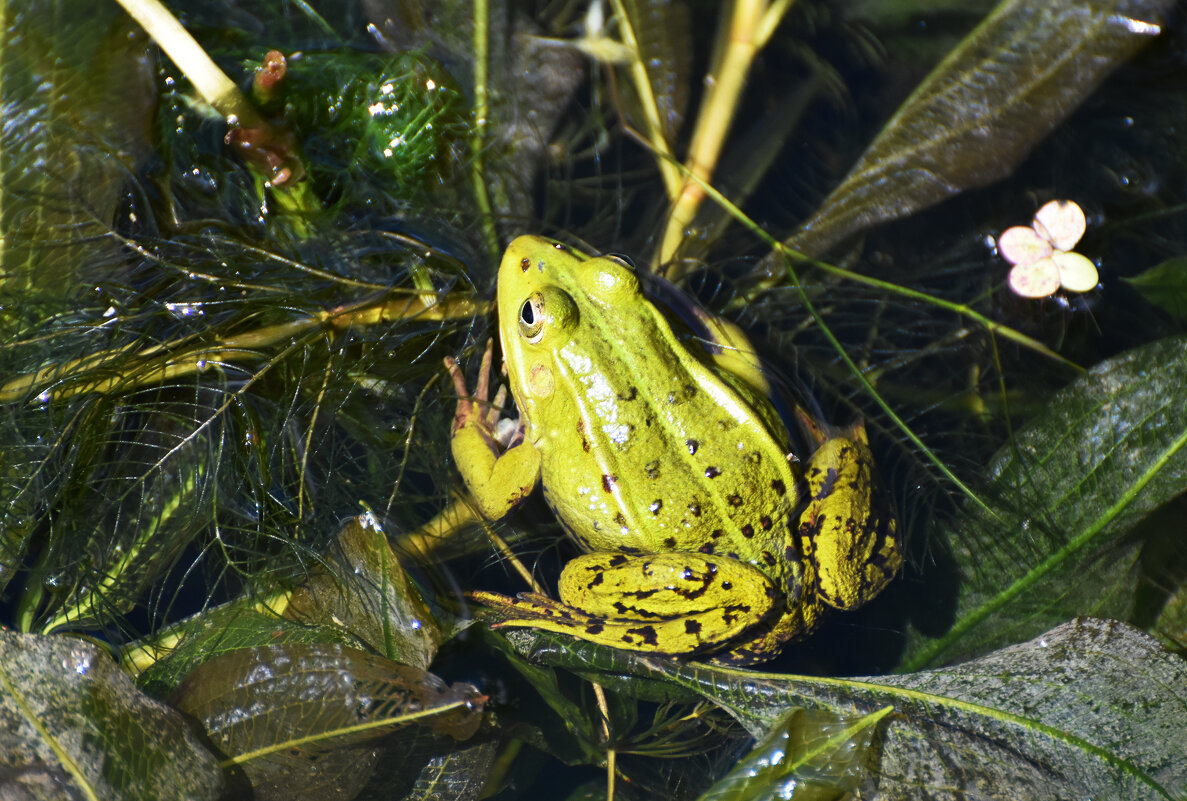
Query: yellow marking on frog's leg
point(669, 603)
point(497, 481)
point(848, 531)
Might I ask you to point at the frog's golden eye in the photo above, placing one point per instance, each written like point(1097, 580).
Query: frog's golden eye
point(531, 318)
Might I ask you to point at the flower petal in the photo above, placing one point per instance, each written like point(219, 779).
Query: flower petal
point(1035, 280)
point(1021, 245)
point(1076, 273)
point(1062, 223)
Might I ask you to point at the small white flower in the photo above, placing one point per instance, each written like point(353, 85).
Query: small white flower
point(1042, 254)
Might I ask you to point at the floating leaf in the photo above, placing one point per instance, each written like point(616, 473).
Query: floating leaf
point(70, 720)
point(1062, 496)
point(460, 775)
point(305, 720)
point(662, 34)
point(1165, 285)
point(1041, 254)
point(1062, 223)
point(1020, 73)
point(810, 754)
point(1091, 709)
point(166, 658)
point(364, 590)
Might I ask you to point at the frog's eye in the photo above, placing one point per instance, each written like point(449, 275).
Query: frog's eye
point(531, 318)
point(622, 259)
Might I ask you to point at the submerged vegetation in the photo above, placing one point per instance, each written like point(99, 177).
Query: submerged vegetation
point(227, 288)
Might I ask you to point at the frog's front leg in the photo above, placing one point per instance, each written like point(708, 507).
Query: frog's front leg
point(498, 479)
point(848, 531)
point(667, 603)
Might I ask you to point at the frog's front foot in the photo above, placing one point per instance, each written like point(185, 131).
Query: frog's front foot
point(498, 466)
point(668, 603)
point(478, 410)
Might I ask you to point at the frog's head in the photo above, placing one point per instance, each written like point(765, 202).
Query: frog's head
point(548, 296)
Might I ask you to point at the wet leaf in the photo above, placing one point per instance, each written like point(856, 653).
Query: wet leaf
point(302, 721)
point(362, 589)
point(460, 775)
point(809, 754)
point(979, 113)
point(78, 96)
point(1165, 285)
point(1050, 544)
point(72, 725)
point(1091, 709)
point(661, 32)
point(166, 658)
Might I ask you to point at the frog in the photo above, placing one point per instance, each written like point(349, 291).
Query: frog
point(651, 427)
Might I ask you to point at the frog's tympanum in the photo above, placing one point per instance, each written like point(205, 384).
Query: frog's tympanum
point(662, 455)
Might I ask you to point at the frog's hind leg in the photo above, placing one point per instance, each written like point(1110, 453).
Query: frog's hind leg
point(848, 531)
point(670, 603)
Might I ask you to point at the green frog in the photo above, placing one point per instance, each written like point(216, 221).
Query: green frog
point(651, 428)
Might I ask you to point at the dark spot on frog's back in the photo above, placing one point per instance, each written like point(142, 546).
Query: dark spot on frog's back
point(656, 506)
point(594, 628)
point(747, 531)
point(712, 472)
point(693, 445)
point(669, 542)
point(769, 558)
point(694, 509)
point(608, 482)
point(779, 486)
point(525, 264)
point(735, 500)
point(617, 560)
point(651, 469)
point(692, 627)
point(629, 395)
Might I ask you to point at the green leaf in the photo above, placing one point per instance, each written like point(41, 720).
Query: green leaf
point(302, 721)
point(77, 98)
point(1165, 285)
point(460, 775)
point(363, 589)
point(810, 754)
point(1062, 496)
point(1091, 709)
point(71, 721)
point(1020, 73)
point(167, 657)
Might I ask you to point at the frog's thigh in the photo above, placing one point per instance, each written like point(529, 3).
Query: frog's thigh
point(674, 603)
point(847, 529)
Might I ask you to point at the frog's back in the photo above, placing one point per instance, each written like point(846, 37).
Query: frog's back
point(656, 452)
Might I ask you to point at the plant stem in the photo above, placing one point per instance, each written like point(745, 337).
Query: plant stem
point(212, 83)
